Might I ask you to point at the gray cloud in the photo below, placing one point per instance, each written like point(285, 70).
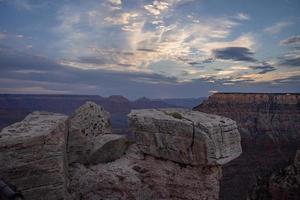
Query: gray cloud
point(263, 68)
point(34, 74)
point(290, 62)
point(146, 50)
point(234, 53)
point(291, 40)
point(92, 60)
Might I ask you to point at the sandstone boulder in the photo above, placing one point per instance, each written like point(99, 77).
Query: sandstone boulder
point(186, 136)
point(107, 148)
point(33, 156)
point(86, 124)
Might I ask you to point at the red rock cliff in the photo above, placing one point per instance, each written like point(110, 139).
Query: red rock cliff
point(270, 129)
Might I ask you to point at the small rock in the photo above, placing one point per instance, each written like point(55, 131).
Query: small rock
point(108, 148)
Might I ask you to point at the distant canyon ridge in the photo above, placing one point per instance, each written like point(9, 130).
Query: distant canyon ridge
point(14, 107)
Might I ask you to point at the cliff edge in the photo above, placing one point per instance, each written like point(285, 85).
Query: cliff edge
point(270, 130)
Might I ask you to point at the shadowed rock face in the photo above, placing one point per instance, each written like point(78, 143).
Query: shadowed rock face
point(34, 154)
point(284, 184)
point(270, 130)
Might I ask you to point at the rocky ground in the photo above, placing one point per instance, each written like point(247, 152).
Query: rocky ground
point(178, 154)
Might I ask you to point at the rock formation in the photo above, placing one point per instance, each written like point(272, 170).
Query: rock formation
point(270, 130)
point(178, 155)
point(86, 125)
point(191, 138)
point(33, 156)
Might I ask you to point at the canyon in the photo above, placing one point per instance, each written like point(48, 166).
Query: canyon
point(269, 125)
point(176, 154)
point(14, 107)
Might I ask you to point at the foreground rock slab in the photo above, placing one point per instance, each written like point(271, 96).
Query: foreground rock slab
point(33, 156)
point(185, 136)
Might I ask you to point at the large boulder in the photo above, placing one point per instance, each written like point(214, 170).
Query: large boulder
point(33, 156)
point(107, 148)
point(186, 136)
point(86, 124)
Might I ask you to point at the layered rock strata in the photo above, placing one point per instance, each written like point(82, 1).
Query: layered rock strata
point(33, 156)
point(270, 130)
point(192, 138)
point(178, 155)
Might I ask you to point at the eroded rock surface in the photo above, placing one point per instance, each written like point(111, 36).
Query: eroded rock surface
point(33, 156)
point(270, 130)
point(178, 155)
point(86, 124)
point(185, 136)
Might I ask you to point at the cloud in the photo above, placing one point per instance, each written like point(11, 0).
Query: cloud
point(263, 68)
point(243, 16)
point(123, 18)
point(92, 60)
point(116, 2)
point(157, 7)
point(291, 40)
point(290, 61)
point(2, 35)
point(278, 27)
point(234, 53)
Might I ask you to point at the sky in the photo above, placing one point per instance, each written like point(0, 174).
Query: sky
point(152, 48)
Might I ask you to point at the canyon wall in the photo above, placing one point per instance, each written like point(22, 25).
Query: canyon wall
point(283, 184)
point(177, 155)
point(270, 130)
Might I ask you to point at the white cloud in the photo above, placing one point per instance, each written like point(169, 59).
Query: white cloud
point(243, 16)
point(159, 6)
point(19, 36)
point(140, 46)
point(278, 27)
point(122, 19)
point(116, 2)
